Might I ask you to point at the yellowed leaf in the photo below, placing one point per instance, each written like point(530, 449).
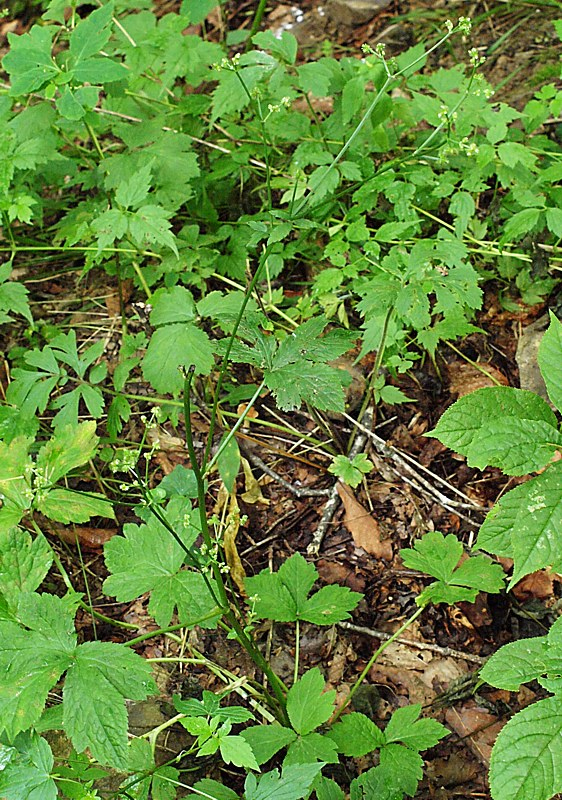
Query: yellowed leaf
point(237, 572)
point(253, 493)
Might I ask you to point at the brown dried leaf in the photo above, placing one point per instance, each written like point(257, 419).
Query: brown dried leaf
point(363, 527)
point(86, 537)
point(237, 572)
point(253, 493)
point(479, 727)
point(465, 378)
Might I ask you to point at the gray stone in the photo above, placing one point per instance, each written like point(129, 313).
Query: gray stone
point(354, 12)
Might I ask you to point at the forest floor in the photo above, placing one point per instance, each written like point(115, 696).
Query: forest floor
point(418, 485)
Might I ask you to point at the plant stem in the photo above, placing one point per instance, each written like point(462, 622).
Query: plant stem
point(297, 650)
point(233, 430)
point(171, 628)
point(372, 660)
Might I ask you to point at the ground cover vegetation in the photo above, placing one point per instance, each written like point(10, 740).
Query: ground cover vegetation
point(202, 178)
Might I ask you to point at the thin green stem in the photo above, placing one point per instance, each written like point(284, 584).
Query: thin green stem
point(297, 650)
point(171, 628)
point(233, 430)
point(256, 22)
point(372, 660)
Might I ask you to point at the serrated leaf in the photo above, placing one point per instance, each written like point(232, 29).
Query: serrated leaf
point(133, 191)
point(92, 33)
point(294, 783)
point(64, 505)
point(28, 61)
point(148, 559)
point(151, 224)
point(15, 469)
point(356, 735)
point(102, 676)
point(26, 768)
point(550, 360)
point(236, 750)
point(69, 448)
point(172, 305)
point(318, 384)
point(526, 762)
point(33, 660)
point(308, 706)
point(23, 563)
point(266, 740)
point(513, 429)
point(417, 734)
point(526, 524)
point(329, 605)
point(516, 663)
point(172, 347)
point(310, 748)
point(439, 556)
point(403, 768)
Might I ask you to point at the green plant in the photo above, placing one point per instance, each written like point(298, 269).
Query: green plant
point(114, 159)
point(518, 431)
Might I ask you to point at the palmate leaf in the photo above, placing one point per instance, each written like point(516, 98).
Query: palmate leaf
point(148, 559)
point(26, 769)
point(29, 62)
point(35, 654)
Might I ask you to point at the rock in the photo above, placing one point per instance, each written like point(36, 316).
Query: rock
point(354, 12)
point(527, 350)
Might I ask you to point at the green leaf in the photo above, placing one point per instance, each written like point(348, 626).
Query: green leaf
point(356, 735)
point(172, 305)
point(526, 525)
point(15, 477)
point(283, 596)
point(283, 46)
point(550, 360)
point(91, 34)
point(33, 660)
point(266, 740)
point(403, 768)
point(29, 62)
point(236, 750)
point(64, 505)
point(310, 748)
point(197, 10)
point(102, 676)
point(513, 429)
point(308, 706)
point(23, 563)
point(520, 224)
point(133, 191)
point(439, 556)
point(148, 559)
point(294, 783)
point(150, 224)
point(26, 769)
point(554, 221)
point(417, 734)
point(351, 471)
point(69, 448)
point(213, 789)
point(228, 462)
point(526, 761)
point(516, 663)
point(172, 347)
point(318, 384)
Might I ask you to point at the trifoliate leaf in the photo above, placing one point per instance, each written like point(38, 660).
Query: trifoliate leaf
point(26, 768)
point(526, 524)
point(308, 706)
point(356, 735)
point(513, 429)
point(148, 559)
point(103, 674)
point(439, 555)
point(418, 734)
point(266, 740)
point(294, 783)
point(23, 563)
point(550, 360)
point(283, 595)
point(351, 471)
point(526, 761)
point(172, 347)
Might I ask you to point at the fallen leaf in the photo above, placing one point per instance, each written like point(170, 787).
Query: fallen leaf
point(87, 538)
point(253, 493)
point(363, 527)
point(536, 586)
point(465, 378)
point(237, 572)
point(477, 726)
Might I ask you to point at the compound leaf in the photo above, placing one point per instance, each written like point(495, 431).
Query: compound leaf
point(417, 734)
point(266, 740)
point(356, 735)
